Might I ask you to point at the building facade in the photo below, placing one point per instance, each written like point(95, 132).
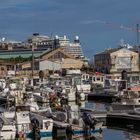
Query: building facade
point(115, 61)
point(18, 56)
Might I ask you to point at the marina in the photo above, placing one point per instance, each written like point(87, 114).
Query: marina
point(69, 70)
point(59, 108)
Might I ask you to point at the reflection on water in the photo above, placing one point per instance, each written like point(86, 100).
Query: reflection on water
point(96, 106)
point(131, 136)
point(76, 137)
point(107, 134)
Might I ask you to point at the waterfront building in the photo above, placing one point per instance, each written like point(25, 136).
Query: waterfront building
point(72, 48)
point(53, 61)
point(19, 57)
point(114, 61)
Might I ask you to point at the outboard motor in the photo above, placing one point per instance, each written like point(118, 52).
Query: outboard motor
point(63, 101)
point(35, 128)
point(78, 98)
point(88, 120)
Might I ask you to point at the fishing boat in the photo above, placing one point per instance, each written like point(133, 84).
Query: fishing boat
point(15, 124)
point(82, 122)
point(8, 127)
point(130, 99)
point(43, 124)
point(34, 107)
point(21, 124)
point(64, 88)
point(98, 80)
point(82, 85)
point(68, 92)
point(126, 105)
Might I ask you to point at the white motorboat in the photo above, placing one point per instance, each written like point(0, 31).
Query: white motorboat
point(82, 85)
point(44, 124)
point(126, 105)
point(21, 124)
point(81, 124)
point(130, 100)
point(8, 130)
point(69, 92)
point(33, 107)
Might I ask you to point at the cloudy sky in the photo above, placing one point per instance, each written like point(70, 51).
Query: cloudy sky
point(100, 24)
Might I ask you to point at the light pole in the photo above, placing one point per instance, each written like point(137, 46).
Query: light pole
point(32, 64)
point(137, 28)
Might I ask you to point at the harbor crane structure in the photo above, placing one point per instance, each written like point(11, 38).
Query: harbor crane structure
point(133, 29)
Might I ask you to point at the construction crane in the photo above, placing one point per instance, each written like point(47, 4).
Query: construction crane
point(136, 29)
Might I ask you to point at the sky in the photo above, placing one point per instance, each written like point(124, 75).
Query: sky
point(100, 24)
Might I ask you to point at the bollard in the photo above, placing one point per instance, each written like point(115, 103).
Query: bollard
point(24, 136)
point(20, 135)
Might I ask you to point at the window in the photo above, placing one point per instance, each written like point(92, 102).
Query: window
point(2, 68)
point(98, 78)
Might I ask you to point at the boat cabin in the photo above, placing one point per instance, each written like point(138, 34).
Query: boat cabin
point(98, 80)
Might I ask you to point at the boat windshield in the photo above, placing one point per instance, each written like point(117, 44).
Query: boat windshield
point(22, 108)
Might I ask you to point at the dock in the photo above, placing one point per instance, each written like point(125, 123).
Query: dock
point(123, 120)
point(103, 97)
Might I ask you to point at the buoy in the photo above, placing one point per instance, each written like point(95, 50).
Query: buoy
point(24, 136)
point(20, 135)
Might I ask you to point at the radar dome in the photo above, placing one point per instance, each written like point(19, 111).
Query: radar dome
point(56, 37)
point(76, 37)
point(3, 39)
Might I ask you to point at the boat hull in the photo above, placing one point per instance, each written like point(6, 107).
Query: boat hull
point(123, 107)
point(29, 135)
point(103, 97)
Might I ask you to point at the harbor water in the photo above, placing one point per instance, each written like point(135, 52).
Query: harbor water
point(107, 134)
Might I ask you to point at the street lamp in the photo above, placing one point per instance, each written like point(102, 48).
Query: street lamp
point(32, 64)
point(137, 29)
point(32, 60)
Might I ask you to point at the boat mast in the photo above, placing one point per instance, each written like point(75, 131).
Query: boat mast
point(138, 47)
